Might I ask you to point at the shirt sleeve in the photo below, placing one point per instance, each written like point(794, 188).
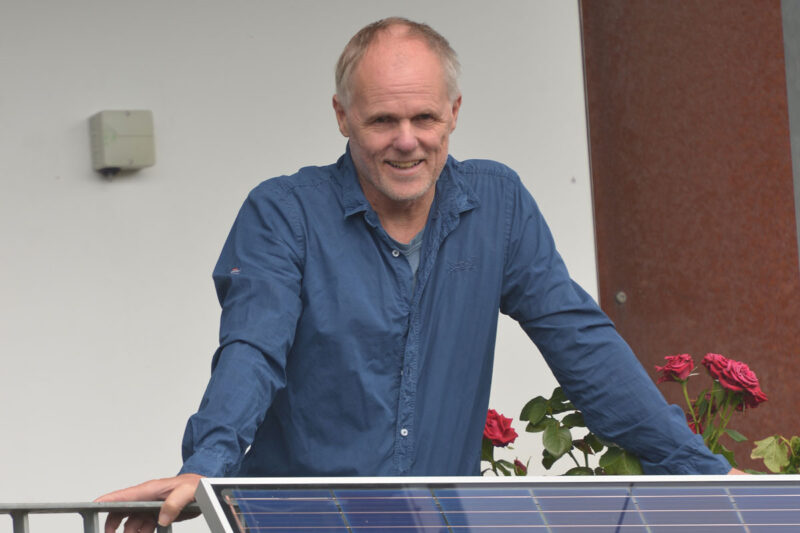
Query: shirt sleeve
point(238, 394)
point(594, 365)
point(257, 277)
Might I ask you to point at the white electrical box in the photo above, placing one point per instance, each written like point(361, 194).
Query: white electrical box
point(122, 140)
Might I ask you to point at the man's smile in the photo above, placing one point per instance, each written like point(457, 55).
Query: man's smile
point(404, 164)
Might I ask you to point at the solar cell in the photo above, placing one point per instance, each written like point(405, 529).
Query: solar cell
point(646, 504)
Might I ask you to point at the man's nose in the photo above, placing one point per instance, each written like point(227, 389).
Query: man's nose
point(406, 137)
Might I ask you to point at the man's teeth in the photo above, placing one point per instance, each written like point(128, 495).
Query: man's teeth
point(403, 164)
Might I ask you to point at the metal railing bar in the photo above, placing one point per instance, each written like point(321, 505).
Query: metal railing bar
point(89, 512)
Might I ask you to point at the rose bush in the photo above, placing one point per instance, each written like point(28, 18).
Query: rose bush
point(734, 388)
point(556, 418)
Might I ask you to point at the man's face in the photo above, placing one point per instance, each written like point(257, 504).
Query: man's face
point(398, 120)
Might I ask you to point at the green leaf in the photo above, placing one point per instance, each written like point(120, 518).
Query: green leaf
point(534, 410)
point(701, 406)
point(707, 431)
point(618, 462)
point(773, 451)
point(507, 467)
point(583, 446)
point(535, 428)
point(558, 395)
point(558, 402)
point(630, 465)
point(718, 395)
point(795, 445)
point(735, 435)
point(542, 425)
point(573, 420)
point(557, 440)
point(503, 469)
point(606, 443)
point(579, 471)
point(547, 459)
point(594, 442)
point(611, 456)
point(487, 450)
point(557, 408)
point(727, 454)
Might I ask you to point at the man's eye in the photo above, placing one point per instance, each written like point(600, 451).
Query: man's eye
point(381, 120)
point(425, 118)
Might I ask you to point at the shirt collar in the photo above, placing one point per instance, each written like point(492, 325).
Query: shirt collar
point(453, 194)
point(353, 199)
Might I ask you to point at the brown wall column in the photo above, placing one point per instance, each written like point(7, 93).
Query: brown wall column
point(693, 190)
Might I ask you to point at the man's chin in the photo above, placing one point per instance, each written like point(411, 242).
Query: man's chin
point(406, 194)
point(398, 189)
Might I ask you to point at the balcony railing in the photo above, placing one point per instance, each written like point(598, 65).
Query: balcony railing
point(88, 511)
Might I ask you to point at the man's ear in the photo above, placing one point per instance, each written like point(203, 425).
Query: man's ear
point(341, 116)
point(456, 107)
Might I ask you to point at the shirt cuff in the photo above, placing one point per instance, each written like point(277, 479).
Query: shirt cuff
point(207, 463)
point(691, 458)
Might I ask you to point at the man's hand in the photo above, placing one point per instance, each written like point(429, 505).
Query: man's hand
point(735, 472)
point(176, 492)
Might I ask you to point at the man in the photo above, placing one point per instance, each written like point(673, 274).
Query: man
point(360, 303)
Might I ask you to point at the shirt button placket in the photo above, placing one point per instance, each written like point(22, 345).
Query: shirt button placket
point(405, 413)
point(405, 410)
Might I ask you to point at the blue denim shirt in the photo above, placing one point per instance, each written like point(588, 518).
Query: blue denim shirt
point(331, 365)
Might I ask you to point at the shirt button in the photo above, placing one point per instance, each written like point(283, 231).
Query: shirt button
point(404, 432)
point(396, 253)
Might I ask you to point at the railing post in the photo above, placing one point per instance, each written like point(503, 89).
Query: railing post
point(20, 520)
point(91, 522)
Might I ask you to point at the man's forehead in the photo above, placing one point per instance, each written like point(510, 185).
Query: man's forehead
point(394, 53)
point(400, 76)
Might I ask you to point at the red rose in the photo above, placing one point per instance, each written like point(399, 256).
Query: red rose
point(735, 376)
point(678, 368)
point(720, 369)
point(498, 429)
point(519, 468)
point(740, 376)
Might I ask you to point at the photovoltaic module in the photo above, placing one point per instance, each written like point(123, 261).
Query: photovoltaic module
point(646, 504)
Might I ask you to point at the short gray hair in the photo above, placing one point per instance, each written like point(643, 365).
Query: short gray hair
point(355, 49)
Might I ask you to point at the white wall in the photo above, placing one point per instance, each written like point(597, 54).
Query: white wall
point(108, 317)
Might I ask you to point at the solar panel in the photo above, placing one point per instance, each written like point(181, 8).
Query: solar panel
point(631, 504)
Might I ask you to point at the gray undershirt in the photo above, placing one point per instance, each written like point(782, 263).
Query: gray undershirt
point(411, 251)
